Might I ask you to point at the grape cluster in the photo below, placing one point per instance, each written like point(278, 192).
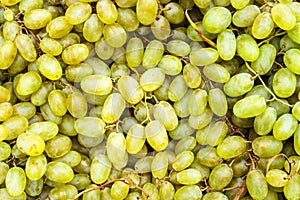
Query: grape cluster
point(149, 99)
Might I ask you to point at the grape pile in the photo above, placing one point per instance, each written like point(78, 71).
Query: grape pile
point(149, 99)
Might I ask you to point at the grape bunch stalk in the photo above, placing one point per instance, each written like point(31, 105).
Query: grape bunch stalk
point(149, 99)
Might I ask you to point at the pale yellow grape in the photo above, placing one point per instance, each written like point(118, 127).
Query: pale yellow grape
point(37, 18)
point(31, 144)
point(49, 67)
point(15, 181)
point(156, 135)
point(78, 13)
point(36, 167)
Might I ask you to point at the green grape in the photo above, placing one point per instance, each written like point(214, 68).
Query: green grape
point(75, 54)
point(10, 2)
point(94, 194)
point(257, 185)
point(37, 18)
point(5, 151)
point(156, 135)
point(174, 13)
point(183, 160)
point(99, 66)
point(291, 189)
point(150, 192)
point(296, 140)
point(294, 159)
point(202, 3)
point(49, 67)
point(48, 115)
point(192, 75)
point(25, 109)
point(209, 157)
point(266, 146)
point(187, 143)
point(291, 58)
point(250, 106)
point(265, 60)
point(5, 195)
point(119, 70)
point(134, 52)
point(18, 65)
point(183, 129)
point(31, 144)
point(284, 83)
point(279, 107)
point(246, 16)
point(202, 134)
point(58, 27)
point(92, 28)
point(3, 171)
point(177, 89)
point(159, 165)
point(96, 84)
point(3, 132)
point(193, 35)
point(189, 176)
point(143, 165)
point(119, 190)
point(16, 125)
point(215, 195)
point(216, 73)
point(281, 11)
point(231, 146)
point(67, 126)
point(171, 65)
point(165, 113)
point(5, 95)
point(247, 47)
point(262, 26)
point(286, 43)
point(29, 83)
point(154, 53)
point(140, 111)
point(294, 32)
point(161, 28)
point(113, 108)
point(203, 56)
point(115, 35)
point(8, 53)
point(36, 167)
point(15, 181)
point(188, 192)
point(45, 129)
point(34, 188)
point(100, 169)
point(197, 102)
point(202, 120)
point(40, 97)
point(26, 47)
point(58, 146)
point(65, 191)
point(226, 44)
point(89, 142)
point(239, 4)
point(284, 127)
point(216, 133)
point(152, 79)
point(69, 39)
point(106, 11)
point(239, 168)
point(116, 147)
point(146, 11)
point(128, 19)
point(10, 30)
point(263, 123)
point(29, 5)
point(76, 105)
point(166, 191)
point(72, 158)
point(50, 46)
point(100, 45)
point(59, 172)
point(178, 48)
point(217, 102)
point(57, 101)
point(130, 89)
point(295, 7)
point(216, 19)
point(78, 13)
point(277, 177)
point(81, 181)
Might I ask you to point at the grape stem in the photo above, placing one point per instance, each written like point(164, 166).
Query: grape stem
point(266, 87)
point(195, 27)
